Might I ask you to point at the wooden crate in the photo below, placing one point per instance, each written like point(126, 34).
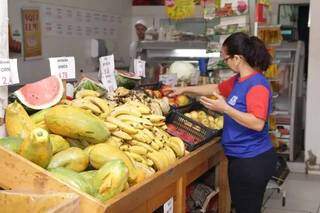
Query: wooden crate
point(20, 174)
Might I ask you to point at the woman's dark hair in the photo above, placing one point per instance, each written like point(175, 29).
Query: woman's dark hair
point(251, 48)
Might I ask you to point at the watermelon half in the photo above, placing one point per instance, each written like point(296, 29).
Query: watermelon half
point(41, 94)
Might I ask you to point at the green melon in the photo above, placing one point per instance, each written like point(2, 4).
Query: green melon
point(40, 95)
point(127, 80)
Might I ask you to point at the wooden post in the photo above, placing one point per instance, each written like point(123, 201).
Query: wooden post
point(180, 203)
point(224, 194)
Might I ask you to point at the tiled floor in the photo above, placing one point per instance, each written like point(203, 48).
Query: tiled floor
point(302, 195)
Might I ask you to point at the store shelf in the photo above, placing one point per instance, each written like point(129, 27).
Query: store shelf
point(169, 45)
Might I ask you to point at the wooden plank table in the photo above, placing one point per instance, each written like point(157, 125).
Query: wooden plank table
point(20, 174)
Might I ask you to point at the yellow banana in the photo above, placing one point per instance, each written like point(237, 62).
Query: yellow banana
point(164, 127)
point(159, 124)
point(124, 147)
point(144, 145)
point(140, 106)
point(135, 125)
point(122, 125)
point(161, 133)
point(159, 142)
point(144, 122)
point(124, 110)
point(136, 157)
point(138, 149)
point(170, 153)
point(155, 146)
point(114, 141)
point(177, 145)
point(110, 126)
point(154, 118)
point(159, 162)
point(84, 93)
point(86, 104)
point(140, 136)
point(148, 133)
point(101, 103)
point(166, 155)
point(149, 162)
point(122, 135)
point(147, 170)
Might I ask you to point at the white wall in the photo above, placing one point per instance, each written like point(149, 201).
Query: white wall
point(312, 139)
point(78, 47)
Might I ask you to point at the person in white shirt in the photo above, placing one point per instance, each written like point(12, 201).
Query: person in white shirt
point(140, 27)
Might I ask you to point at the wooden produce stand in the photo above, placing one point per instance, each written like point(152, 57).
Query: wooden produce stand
point(20, 174)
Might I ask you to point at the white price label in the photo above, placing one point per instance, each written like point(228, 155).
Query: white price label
point(140, 68)
point(8, 72)
point(63, 67)
point(107, 72)
point(168, 206)
point(169, 79)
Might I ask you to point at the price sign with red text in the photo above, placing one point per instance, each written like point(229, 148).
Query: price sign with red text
point(107, 72)
point(63, 67)
point(8, 72)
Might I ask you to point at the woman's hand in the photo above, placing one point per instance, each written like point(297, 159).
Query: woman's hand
point(218, 105)
point(175, 91)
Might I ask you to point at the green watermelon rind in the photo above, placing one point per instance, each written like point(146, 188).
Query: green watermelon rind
point(17, 95)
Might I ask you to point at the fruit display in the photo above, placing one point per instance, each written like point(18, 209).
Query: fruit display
point(206, 119)
point(99, 143)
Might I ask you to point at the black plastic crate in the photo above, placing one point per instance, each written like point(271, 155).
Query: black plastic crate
point(197, 106)
point(192, 133)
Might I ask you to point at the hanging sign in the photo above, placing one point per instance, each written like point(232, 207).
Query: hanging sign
point(32, 46)
point(140, 68)
point(8, 72)
point(107, 73)
point(63, 67)
point(180, 9)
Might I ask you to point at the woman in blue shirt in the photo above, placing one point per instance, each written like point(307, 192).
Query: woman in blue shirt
point(245, 100)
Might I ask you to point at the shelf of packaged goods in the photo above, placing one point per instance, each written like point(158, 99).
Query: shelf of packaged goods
point(18, 173)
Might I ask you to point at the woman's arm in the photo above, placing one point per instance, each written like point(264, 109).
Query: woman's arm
point(203, 90)
point(246, 119)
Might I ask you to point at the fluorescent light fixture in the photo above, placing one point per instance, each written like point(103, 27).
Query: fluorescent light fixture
point(198, 53)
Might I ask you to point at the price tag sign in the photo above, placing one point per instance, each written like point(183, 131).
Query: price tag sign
point(8, 72)
point(168, 206)
point(107, 73)
point(63, 67)
point(169, 79)
point(140, 68)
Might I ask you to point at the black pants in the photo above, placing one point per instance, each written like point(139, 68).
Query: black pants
point(248, 178)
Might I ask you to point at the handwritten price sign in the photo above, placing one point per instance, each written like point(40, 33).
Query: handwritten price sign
point(107, 72)
point(8, 72)
point(63, 67)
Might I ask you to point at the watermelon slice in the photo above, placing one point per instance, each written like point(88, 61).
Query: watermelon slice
point(41, 94)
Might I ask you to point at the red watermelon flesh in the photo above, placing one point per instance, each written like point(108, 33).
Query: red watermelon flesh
point(41, 94)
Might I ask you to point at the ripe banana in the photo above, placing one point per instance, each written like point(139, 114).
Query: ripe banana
point(110, 126)
point(124, 147)
point(101, 103)
point(140, 136)
point(142, 121)
point(147, 170)
point(155, 108)
point(114, 141)
point(124, 110)
point(84, 93)
point(159, 142)
point(143, 109)
point(164, 127)
point(177, 145)
point(166, 155)
point(122, 125)
point(155, 146)
point(160, 163)
point(144, 145)
point(159, 124)
point(135, 125)
point(86, 104)
point(160, 133)
point(138, 149)
point(154, 118)
point(122, 135)
point(136, 157)
point(170, 153)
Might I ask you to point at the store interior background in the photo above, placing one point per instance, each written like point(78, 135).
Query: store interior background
point(80, 47)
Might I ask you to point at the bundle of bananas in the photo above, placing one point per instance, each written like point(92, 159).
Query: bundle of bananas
point(142, 137)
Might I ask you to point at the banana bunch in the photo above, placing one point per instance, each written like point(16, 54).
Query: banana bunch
point(207, 120)
point(89, 100)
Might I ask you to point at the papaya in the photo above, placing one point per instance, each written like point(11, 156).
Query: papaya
point(88, 149)
point(18, 122)
point(58, 143)
point(37, 147)
point(38, 117)
point(72, 158)
point(76, 123)
point(11, 143)
point(110, 180)
point(103, 153)
point(88, 176)
point(73, 179)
